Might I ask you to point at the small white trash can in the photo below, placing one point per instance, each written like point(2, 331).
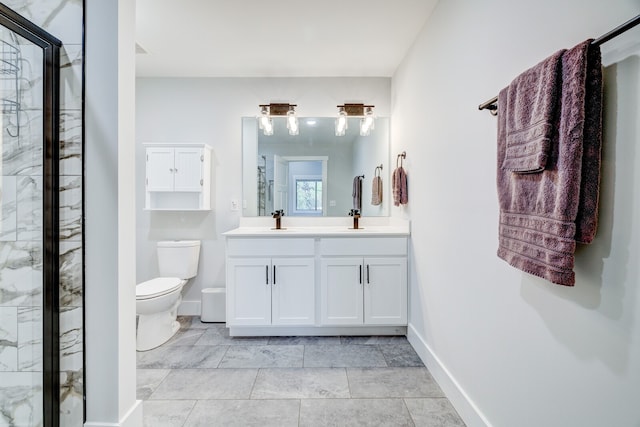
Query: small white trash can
point(213, 305)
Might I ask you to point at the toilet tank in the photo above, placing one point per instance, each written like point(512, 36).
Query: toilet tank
point(178, 258)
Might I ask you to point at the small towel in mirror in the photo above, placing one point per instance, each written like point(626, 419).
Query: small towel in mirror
point(376, 191)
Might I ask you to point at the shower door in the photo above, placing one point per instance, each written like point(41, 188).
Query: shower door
point(29, 306)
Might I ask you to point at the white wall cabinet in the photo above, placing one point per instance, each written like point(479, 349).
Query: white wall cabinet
point(364, 291)
point(178, 177)
point(264, 290)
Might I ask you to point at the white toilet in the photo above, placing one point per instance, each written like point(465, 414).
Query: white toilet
point(157, 300)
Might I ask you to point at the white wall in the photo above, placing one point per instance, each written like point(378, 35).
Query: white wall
point(210, 111)
point(505, 345)
point(110, 216)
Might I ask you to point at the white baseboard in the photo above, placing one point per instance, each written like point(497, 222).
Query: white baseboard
point(133, 418)
point(189, 308)
point(286, 331)
point(467, 409)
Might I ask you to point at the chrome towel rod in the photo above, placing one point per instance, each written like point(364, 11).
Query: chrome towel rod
point(491, 104)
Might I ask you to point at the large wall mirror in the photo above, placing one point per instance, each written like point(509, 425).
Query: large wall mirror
point(312, 173)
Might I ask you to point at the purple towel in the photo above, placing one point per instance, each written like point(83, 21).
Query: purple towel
point(542, 215)
point(530, 111)
point(399, 185)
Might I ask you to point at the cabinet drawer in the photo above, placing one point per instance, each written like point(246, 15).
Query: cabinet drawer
point(269, 247)
point(363, 246)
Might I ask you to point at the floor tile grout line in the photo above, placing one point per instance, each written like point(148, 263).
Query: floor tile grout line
point(404, 403)
point(346, 373)
point(253, 386)
point(383, 356)
point(160, 383)
point(222, 358)
point(195, 402)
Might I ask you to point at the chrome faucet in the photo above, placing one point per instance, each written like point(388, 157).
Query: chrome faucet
point(277, 215)
point(355, 213)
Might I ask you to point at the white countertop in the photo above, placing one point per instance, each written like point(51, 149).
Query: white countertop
point(320, 227)
point(317, 231)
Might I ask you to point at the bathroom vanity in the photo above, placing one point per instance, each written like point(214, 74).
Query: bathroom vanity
point(317, 278)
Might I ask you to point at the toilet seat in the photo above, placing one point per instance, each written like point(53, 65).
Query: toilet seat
point(157, 287)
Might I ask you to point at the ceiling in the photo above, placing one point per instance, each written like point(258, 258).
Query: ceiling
point(278, 38)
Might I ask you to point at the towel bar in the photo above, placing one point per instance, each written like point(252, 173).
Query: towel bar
point(491, 104)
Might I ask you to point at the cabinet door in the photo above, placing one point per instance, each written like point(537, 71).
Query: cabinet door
point(341, 291)
point(385, 291)
point(188, 169)
point(248, 291)
point(293, 291)
point(160, 169)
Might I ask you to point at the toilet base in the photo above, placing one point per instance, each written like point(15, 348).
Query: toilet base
point(156, 329)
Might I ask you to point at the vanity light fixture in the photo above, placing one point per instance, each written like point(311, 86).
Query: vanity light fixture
point(365, 112)
point(268, 111)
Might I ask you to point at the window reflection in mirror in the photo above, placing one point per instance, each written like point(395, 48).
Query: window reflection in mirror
point(312, 173)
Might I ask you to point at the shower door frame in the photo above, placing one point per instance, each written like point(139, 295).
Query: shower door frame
point(50, 46)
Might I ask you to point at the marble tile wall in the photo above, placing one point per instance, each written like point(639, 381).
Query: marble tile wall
point(20, 228)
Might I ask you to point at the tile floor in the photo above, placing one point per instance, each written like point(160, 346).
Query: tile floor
point(203, 377)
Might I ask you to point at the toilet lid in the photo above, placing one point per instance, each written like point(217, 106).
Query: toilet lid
point(157, 286)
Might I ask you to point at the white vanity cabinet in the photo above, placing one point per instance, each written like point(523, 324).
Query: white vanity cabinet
point(178, 177)
point(363, 290)
point(330, 280)
point(270, 282)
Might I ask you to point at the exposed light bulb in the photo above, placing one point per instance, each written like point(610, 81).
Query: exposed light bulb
point(341, 122)
point(267, 127)
point(265, 122)
point(367, 122)
point(292, 121)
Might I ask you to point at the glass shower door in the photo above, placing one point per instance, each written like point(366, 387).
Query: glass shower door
point(29, 378)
